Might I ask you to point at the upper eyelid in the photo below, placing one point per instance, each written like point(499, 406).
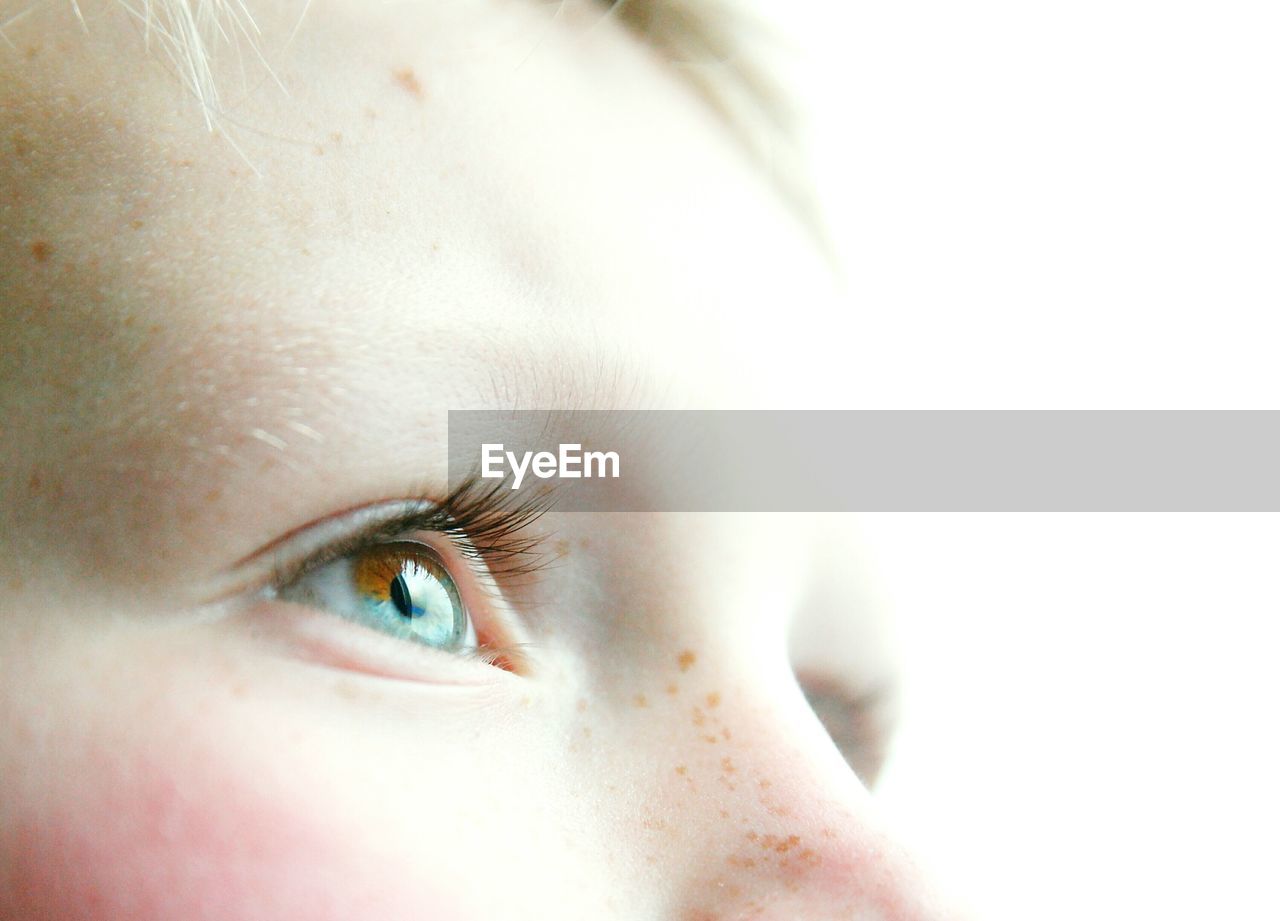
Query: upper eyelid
point(396, 529)
point(305, 547)
point(482, 521)
point(382, 522)
point(390, 516)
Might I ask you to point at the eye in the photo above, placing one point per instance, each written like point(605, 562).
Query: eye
point(440, 573)
point(400, 587)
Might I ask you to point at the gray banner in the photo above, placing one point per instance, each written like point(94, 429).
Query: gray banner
point(927, 460)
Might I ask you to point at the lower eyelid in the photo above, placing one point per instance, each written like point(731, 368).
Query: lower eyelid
point(317, 637)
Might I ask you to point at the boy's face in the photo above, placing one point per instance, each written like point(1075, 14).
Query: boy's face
point(456, 205)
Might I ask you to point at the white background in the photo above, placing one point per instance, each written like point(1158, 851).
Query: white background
point(1090, 725)
point(1053, 204)
point(1069, 205)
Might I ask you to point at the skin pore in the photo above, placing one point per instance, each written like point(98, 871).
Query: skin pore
point(217, 343)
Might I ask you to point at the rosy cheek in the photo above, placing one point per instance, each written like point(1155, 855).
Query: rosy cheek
point(188, 842)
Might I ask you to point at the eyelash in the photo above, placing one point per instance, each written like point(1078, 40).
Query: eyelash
point(486, 523)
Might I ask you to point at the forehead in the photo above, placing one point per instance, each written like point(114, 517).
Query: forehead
point(443, 205)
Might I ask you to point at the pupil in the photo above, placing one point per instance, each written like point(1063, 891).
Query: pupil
point(400, 595)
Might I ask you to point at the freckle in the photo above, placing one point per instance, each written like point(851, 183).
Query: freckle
point(185, 163)
point(30, 51)
point(213, 495)
point(711, 739)
point(765, 783)
point(41, 250)
point(584, 543)
point(681, 770)
point(699, 718)
point(782, 811)
point(641, 700)
point(751, 836)
point(713, 700)
point(561, 546)
point(726, 765)
point(336, 137)
point(828, 833)
point(650, 858)
point(809, 857)
point(727, 735)
point(745, 863)
point(582, 705)
point(673, 690)
point(700, 914)
point(346, 690)
point(136, 224)
point(435, 248)
point(33, 484)
point(319, 149)
point(686, 659)
point(724, 813)
point(408, 81)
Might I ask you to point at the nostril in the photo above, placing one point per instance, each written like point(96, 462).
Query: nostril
point(859, 722)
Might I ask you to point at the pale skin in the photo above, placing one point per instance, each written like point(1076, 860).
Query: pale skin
point(456, 205)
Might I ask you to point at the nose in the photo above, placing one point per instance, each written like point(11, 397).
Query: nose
point(778, 827)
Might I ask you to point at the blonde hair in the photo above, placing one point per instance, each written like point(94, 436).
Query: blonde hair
point(186, 32)
point(729, 56)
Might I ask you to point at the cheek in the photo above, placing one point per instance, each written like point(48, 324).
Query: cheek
point(160, 848)
point(176, 814)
